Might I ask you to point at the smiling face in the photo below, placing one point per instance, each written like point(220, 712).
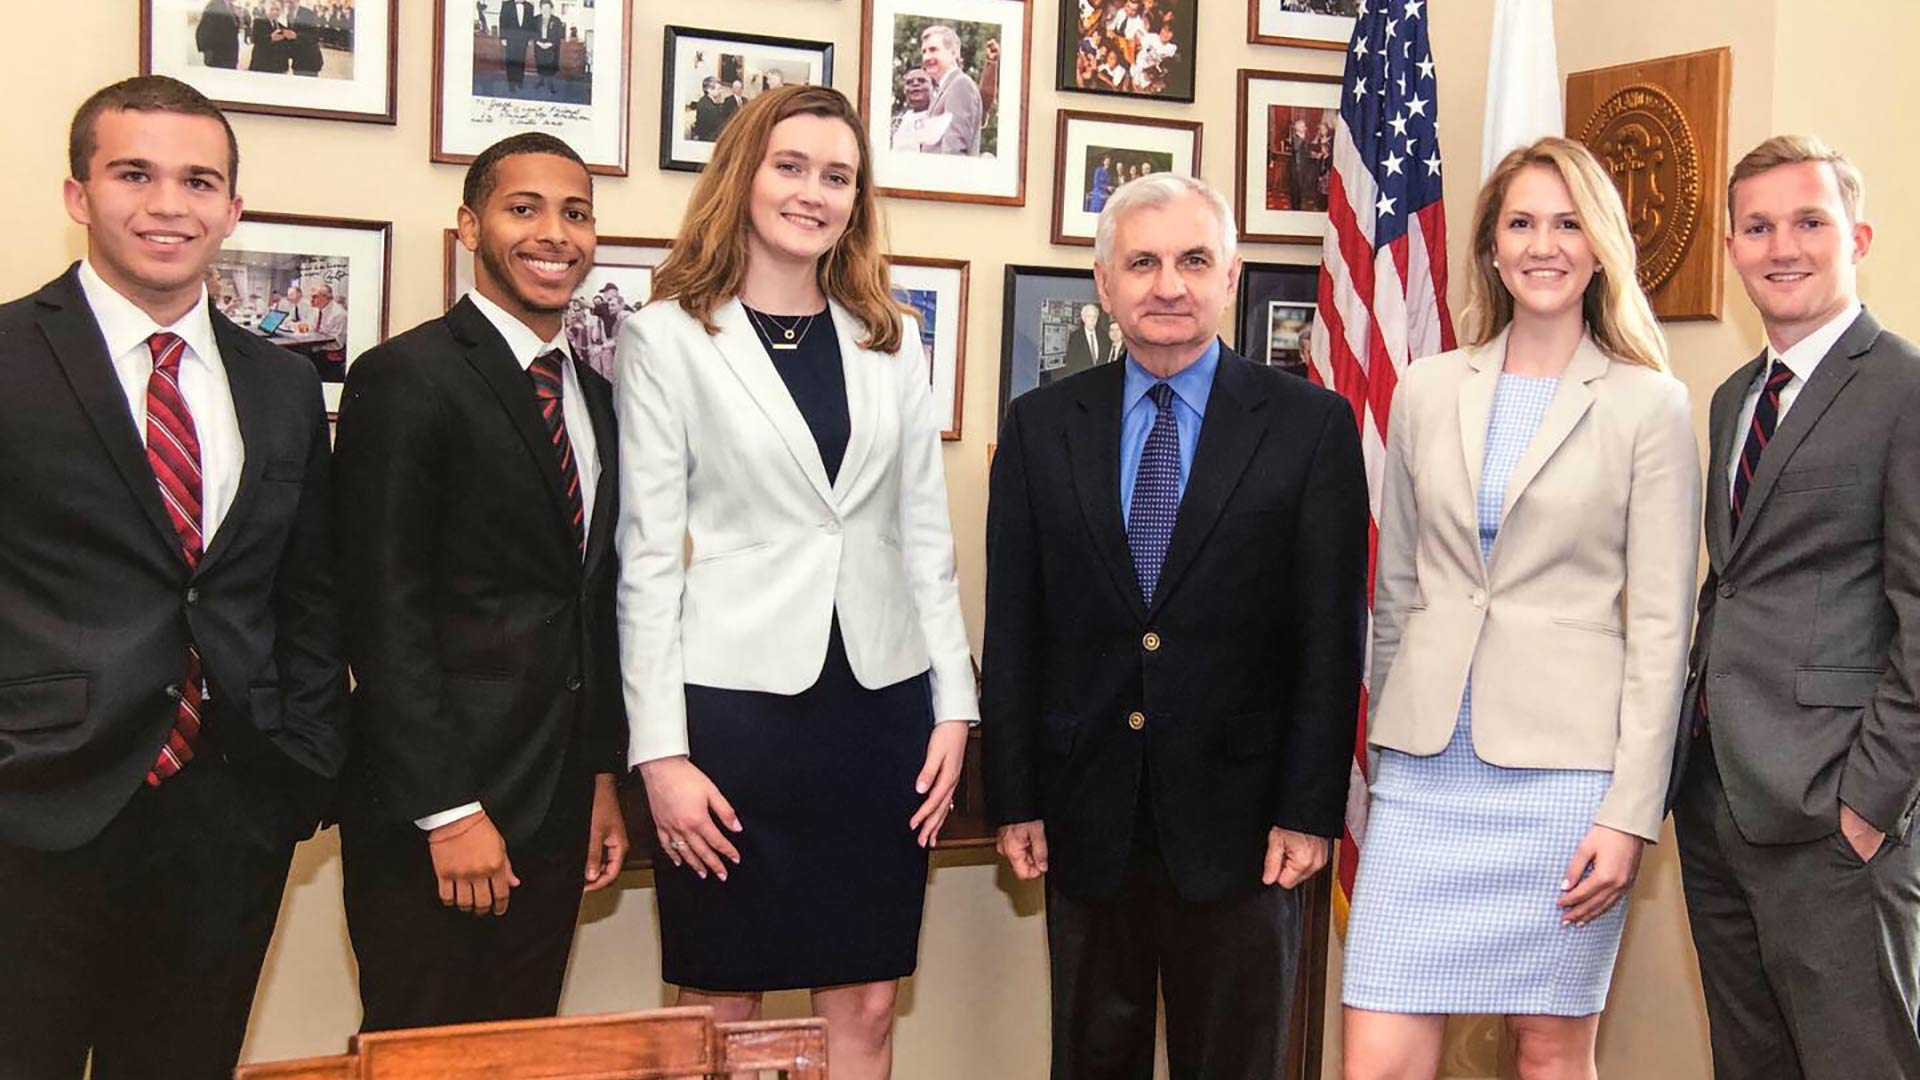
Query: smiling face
point(1795, 249)
point(803, 192)
point(919, 89)
point(533, 237)
point(1168, 280)
point(936, 55)
point(156, 204)
point(1539, 247)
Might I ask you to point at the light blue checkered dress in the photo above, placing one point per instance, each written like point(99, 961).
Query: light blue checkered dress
point(1454, 908)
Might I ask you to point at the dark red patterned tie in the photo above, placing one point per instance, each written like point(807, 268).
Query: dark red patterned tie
point(547, 389)
point(1766, 415)
point(173, 450)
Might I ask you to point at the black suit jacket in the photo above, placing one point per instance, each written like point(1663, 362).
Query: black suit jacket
point(97, 603)
point(267, 54)
point(1079, 356)
point(1245, 671)
point(303, 52)
point(218, 35)
point(482, 647)
point(548, 60)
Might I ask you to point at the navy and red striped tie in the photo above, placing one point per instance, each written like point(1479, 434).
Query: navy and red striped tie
point(173, 451)
point(547, 390)
point(1766, 415)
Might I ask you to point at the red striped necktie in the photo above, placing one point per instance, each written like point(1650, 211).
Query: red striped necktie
point(1766, 416)
point(547, 390)
point(173, 450)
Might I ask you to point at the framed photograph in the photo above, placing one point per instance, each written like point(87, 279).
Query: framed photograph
point(1283, 156)
point(317, 286)
point(1133, 48)
point(620, 281)
point(709, 74)
point(943, 90)
point(324, 59)
point(501, 67)
point(1095, 153)
point(1276, 313)
point(1054, 327)
point(1306, 24)
point(936, 290)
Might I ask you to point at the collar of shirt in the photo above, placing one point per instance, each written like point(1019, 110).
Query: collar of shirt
point(125, 326)
point(1192, 384)
point(522, 342)
point(1805, 355)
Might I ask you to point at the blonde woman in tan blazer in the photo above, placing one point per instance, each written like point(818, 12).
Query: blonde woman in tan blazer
point(1532, 606)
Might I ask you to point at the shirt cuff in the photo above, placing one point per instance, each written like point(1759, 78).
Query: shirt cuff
point(447, 817)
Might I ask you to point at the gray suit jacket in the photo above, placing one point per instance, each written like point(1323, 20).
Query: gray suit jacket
point(1808, 641)
point(959, 98)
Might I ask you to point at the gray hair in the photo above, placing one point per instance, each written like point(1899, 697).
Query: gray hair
point(1156, 190)
point(948, 36)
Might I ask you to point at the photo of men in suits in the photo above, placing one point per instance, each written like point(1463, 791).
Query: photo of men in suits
point(516, 40)
point(217, 35)
point(534, 50)
point(955, 94)
point(172, 681)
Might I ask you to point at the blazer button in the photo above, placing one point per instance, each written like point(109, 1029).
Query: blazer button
point(1151, 642)
point(173, 691)
point(193, 596)
point(1479, 598)
point(1727, 589)
point(832, 527)
point(1136, 720)
point(573, 682)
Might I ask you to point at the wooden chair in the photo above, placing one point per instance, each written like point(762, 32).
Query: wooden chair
point(660, 1044)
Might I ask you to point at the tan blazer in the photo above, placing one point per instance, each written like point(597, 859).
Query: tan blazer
point(1576, 630)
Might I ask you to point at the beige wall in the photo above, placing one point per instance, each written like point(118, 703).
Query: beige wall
point(978, 1008)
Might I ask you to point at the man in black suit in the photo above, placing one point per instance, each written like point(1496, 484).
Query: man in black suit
point(302, 39)
point(549, 33)
point(1084, 347)
point(217, 36)
point(516, 38)
point(172, 692)
point(1176, 601)
point(476, 501)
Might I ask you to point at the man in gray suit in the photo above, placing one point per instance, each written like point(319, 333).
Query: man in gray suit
point(955, 94)
point(1799, 758)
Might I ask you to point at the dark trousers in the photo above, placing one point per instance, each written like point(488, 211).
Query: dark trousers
point(514, 57)
point(422, 964)
point(144, 944)
point(1810, 958)
point(1224, 969)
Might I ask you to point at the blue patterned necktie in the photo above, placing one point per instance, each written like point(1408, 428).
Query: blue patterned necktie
point(1156, 493)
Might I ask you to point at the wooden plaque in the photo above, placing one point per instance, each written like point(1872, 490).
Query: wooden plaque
point(1660, 128)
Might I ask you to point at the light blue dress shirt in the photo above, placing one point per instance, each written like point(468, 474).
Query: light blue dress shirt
point(1191, 388)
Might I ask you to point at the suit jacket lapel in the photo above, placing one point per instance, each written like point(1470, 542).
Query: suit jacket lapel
point(1476, 405)
point(1571, 400)
point(488, 354)
point(1230, 433)
point(860, 369)
point(1835, 371)
point(74, 336)
point(1722, 415)
point(599, 402)
point(251, 404)
point(740, 347)
point(1093, 456)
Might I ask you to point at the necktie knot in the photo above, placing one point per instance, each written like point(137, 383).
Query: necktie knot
point(1778, 377)
point(545, 372)
point(1162, 395)
point(166, 350)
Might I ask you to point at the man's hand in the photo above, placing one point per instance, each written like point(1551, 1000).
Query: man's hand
point(607, 836)
point(685, 804)
point(1292, 857)
point(1602, 871)
point(470, 862)
point(1025, 847)
point(1862, 834)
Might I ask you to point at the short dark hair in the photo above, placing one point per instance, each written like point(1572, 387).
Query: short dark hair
point(480, 174)
point(144, 93)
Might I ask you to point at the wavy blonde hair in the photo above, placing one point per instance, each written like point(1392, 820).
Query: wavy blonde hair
point(709, 258)
point(1617, 313)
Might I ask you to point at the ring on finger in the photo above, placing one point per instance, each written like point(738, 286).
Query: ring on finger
point(679, 845)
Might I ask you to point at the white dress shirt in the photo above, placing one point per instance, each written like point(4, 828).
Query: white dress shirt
point(1802, 359)
point(203, 383)
point(526, 346)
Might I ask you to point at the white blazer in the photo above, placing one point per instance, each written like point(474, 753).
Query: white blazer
point(713, 451)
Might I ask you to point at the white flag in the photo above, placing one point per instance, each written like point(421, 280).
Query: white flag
point(1523, 80)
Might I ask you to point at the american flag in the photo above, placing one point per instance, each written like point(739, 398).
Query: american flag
point(1383, 268)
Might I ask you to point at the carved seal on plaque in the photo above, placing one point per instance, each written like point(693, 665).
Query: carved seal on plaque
point(1641, 135)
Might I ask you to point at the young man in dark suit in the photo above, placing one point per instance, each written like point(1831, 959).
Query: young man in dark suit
point(172, 691)
point(1176, 601)
point(476, 490)
point(1798, 768)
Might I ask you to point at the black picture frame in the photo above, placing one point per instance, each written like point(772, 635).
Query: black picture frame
point(1270, 296)
point(679, 149)
point(1074, 39)
point(1040, 307)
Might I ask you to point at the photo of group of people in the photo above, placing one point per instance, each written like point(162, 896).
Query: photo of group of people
point(533, 50)
point(1106, 168)
point(1142, 48)
point(1345, 9)
point(1299, 156)
point(946, 83)
point(275, 37)
point(730, 80)
point(593, 317)
point(1074, 336)
point(298, 301)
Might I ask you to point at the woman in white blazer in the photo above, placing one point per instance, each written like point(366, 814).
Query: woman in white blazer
point(797, 672)
point(1532, 603)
